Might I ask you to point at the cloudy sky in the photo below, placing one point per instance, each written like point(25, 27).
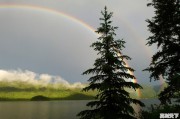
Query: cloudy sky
point(45, 42)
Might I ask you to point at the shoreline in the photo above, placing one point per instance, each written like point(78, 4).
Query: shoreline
point(54, 99)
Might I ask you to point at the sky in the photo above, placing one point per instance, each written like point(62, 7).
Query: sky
point(54, 36)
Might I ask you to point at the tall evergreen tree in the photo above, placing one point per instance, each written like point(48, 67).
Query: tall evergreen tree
point(109, 77)
point(165, 29)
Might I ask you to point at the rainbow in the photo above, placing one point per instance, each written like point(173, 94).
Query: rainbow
point(48, 10)
point(62, 14)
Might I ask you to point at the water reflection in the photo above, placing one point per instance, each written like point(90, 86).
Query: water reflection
point(48, 109)
point(41, 110)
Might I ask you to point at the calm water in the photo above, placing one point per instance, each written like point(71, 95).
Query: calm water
point(47, 109)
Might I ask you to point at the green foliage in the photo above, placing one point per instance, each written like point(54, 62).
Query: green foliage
point(24, 91)
point(165, 29)
point(51, 95)
point(109, 77)
point(155, 110)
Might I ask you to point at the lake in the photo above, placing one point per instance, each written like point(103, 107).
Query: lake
point(47, 109)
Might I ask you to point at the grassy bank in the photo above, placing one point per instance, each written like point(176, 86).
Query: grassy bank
point(18, 91)
point(14, 91)
point(52, 95)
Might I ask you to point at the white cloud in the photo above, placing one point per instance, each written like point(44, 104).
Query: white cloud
point(30, 77)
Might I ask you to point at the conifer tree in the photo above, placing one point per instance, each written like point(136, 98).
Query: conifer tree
point(165, 29)
point(109, 76)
